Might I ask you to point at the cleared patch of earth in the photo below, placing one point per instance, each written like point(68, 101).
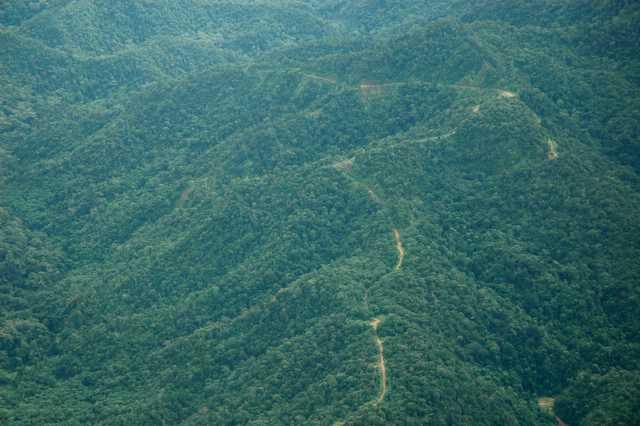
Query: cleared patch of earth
point(547, 404)
point(184, 196)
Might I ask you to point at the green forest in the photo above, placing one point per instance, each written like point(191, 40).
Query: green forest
point(306, 212)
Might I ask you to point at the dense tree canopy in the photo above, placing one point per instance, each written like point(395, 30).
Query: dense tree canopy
point(319, 212)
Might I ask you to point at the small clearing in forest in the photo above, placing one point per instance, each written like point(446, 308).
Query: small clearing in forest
point(546, 404)
point(344, 165)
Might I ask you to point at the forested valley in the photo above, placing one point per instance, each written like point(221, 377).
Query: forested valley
point(305, 212)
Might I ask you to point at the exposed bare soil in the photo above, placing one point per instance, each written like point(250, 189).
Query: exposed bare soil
point(399, 248)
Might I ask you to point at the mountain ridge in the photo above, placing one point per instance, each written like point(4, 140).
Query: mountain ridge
point(209, 243)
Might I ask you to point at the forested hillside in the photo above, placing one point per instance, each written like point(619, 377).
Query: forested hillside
point(319, 212)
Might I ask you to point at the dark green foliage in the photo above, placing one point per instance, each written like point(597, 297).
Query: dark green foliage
point(198, 202)
point(601, 399)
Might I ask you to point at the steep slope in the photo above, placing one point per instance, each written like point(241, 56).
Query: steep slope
point(433, 226)
point(249, 26)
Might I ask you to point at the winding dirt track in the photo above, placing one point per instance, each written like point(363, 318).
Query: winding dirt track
point(400, 248)
point(375, 322)
point(366, 88)
point(553, 150)
point(321, 78)
point(380, 364)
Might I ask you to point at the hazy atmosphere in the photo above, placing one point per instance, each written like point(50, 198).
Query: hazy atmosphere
point(320, 212)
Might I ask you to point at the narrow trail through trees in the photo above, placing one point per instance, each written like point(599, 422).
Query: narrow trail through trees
point(552, 154)
point(375, 322)
point(366, 88)
point(345, 167)
point(399, 248)
point(380, 364)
